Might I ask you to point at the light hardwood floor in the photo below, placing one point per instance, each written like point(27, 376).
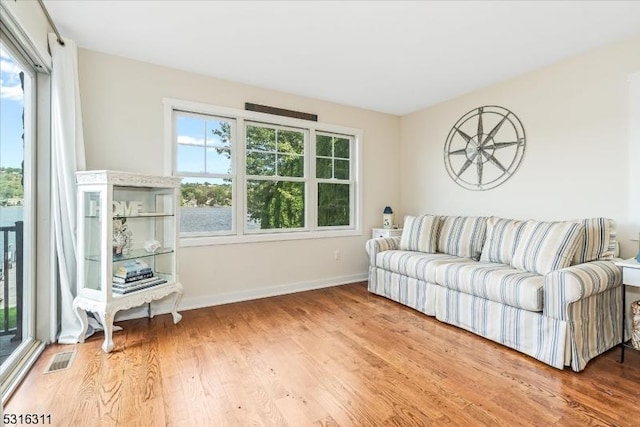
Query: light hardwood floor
point(337, 356)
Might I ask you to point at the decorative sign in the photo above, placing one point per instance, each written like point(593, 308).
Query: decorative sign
point(484, 148)
point(122, 208)
point(119, 208)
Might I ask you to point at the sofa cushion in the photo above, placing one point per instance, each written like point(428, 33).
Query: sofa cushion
point(546, 246)
point(420, 233)
point(413, 264)
point(502, 236)
point(462, 236)
point(495, 282)
point(597, 242)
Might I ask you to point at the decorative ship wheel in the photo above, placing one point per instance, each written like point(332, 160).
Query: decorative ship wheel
point(480, 160)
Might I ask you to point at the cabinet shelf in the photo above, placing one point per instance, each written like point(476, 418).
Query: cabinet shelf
point(146, 215)
point(140, 215)
point(133, 254)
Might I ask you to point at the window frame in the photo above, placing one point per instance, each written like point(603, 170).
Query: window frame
point(278, 178)
point(351, 181)
point(211, 175)
point(242, 117)
point(37, 296)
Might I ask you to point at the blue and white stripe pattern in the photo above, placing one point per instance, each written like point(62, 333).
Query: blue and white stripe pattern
point(546, 246)
point(408, 291)
point(598, 242)
point(581, 304)
point(375, 246)
point(529, 332)
point(415, 264)
point(495, 282)
point(569, 285)
point(502, 237)
point(462, 236)
point(420, 233)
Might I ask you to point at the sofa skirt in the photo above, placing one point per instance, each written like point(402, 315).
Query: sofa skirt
point(592, 324)
point(406, 290)
point(528, 332)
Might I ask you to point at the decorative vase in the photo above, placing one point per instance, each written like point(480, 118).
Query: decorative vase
point(387, 217)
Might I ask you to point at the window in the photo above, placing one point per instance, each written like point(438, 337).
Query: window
point(204, 161)
point(251, 176)
point(276, 184)
point(333, 171)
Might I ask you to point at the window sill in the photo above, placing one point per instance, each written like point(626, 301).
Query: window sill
point(272, 237)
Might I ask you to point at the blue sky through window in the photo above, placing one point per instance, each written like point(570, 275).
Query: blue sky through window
point(198, 149)
point(11, 107)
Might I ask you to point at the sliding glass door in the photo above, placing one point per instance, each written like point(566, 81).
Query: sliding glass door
point(17, 152)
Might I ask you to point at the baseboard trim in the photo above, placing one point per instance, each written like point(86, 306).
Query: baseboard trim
point(162, 307)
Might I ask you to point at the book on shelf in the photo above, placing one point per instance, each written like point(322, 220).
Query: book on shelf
point(137, 286)
point(131, 268)
point(151, 278)
point(134, 278)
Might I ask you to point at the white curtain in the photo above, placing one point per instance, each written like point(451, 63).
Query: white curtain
point(67, 152)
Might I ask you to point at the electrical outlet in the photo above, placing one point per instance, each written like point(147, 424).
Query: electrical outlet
point(336, 255)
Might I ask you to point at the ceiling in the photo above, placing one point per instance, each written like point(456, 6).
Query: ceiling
point(389, 56)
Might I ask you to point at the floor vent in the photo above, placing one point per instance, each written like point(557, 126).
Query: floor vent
point(60, 361)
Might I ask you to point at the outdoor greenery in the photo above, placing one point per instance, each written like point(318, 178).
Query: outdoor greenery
point(13, 317)
point(270, 153)
point(275, 159)
point(206, 194)
point(11, 188)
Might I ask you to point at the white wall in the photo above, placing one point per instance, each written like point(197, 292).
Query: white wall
point(123, 125)
point(576, 118)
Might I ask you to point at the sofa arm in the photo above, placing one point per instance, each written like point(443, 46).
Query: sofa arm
point(381, 244)
point(568, 285)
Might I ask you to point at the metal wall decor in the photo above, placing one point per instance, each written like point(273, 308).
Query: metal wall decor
point(484, 148)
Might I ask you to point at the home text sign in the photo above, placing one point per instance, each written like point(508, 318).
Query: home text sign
point(123, 208)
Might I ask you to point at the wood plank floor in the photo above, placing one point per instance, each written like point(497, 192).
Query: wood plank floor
point(336, 356)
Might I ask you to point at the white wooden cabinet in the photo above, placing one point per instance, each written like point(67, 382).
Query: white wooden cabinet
point(125, 221)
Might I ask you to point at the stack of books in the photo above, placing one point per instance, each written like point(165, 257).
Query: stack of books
point(133, 276)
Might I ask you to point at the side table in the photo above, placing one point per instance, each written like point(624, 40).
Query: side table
point(630, 277)
point(377, 233)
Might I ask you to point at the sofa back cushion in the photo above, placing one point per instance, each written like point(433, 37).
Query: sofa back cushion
point(420, 233)
point(462, 236)
point(597, 242)
point(502, 237)
point(546, 246)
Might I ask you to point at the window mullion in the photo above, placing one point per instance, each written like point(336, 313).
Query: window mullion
point(313, 182)
point(241, 184)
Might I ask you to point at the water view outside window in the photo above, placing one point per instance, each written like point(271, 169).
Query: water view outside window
point(13, 80)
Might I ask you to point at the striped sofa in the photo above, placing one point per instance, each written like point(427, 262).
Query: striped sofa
point(547, 289)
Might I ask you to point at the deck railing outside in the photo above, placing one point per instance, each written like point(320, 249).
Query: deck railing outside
point(12, 282)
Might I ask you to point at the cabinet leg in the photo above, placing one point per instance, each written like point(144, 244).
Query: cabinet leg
point(107, 324)
point(174, 312)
